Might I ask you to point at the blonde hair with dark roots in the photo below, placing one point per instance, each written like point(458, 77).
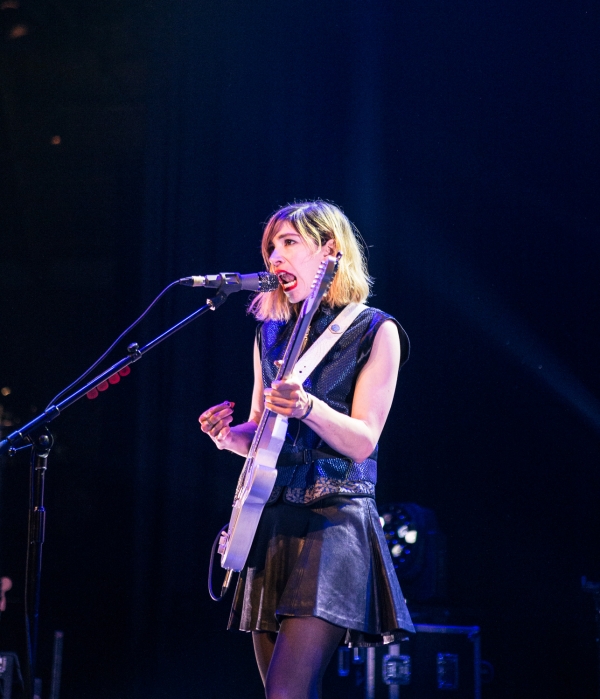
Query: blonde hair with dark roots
point(317, 222)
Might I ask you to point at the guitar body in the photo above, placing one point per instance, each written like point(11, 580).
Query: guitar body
point(258, 476)
point(253, 492)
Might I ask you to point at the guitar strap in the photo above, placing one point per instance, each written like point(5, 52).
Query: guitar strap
point(316, 352)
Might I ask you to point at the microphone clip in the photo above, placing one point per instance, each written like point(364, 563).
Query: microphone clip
point(231, 280)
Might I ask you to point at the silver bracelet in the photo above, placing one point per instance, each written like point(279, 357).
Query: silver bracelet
point(310, 407)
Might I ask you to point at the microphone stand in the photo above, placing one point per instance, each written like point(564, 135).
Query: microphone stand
point(36, 435)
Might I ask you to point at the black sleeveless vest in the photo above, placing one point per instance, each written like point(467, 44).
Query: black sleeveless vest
point(308, 469)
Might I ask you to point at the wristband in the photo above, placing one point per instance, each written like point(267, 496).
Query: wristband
point(310, 407)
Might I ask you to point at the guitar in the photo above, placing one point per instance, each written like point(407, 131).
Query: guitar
point(259, 473)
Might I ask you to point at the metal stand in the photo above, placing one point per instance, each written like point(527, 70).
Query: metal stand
point(35, 540)
point(36, 435)
point(593, 588)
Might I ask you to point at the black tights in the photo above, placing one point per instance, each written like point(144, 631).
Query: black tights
point(292, 662)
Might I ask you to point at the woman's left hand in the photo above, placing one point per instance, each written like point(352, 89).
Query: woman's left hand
point(287, 398)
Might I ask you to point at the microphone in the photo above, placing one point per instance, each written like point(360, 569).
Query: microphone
point(259, 281)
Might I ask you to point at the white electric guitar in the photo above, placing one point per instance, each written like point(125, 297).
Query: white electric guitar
point(259, 473)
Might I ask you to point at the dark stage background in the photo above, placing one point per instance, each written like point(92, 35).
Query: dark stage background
point(146, 141)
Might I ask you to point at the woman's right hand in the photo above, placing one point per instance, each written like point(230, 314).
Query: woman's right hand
point(215, 423)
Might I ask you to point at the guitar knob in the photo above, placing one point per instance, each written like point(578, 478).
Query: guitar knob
point(224, 538)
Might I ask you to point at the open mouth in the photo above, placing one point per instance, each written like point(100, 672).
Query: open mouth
point(288, 281)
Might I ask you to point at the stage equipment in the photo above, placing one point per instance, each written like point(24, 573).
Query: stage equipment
point(10, 674)
point(436, 662)
point(263, 282)
point(418, 550)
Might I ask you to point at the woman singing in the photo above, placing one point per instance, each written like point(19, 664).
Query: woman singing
point(319, 572)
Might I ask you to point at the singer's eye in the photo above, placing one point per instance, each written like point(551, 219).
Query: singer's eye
point(289, 241)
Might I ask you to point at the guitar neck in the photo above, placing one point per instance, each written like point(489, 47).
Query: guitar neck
point(288, 362)
point(294, 346)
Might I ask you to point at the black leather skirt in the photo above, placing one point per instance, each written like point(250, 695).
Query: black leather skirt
point(329, 560)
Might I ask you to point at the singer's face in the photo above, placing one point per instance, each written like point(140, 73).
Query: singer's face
point(295, 262)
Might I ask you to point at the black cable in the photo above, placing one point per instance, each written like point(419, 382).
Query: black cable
point(110, 349)
point(210, 566)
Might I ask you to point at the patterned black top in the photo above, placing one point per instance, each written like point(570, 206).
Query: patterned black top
point(307, 477)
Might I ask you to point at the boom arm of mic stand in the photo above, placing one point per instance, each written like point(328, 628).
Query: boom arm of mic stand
point(33, 434)
point(21, 438)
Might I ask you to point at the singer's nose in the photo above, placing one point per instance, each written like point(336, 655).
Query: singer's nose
point(275, 258)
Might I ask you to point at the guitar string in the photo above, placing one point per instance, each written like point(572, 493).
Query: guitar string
point(247, 469)
point(262, 424)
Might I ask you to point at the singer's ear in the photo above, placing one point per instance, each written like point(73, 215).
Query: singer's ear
point(328, 248)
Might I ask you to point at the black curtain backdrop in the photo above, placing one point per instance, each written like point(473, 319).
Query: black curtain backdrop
point(462, 140)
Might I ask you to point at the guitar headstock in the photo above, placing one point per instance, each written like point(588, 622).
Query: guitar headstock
point(321, 283)
point(319, 287)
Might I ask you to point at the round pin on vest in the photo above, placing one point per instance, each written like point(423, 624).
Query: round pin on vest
point(335, 328)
